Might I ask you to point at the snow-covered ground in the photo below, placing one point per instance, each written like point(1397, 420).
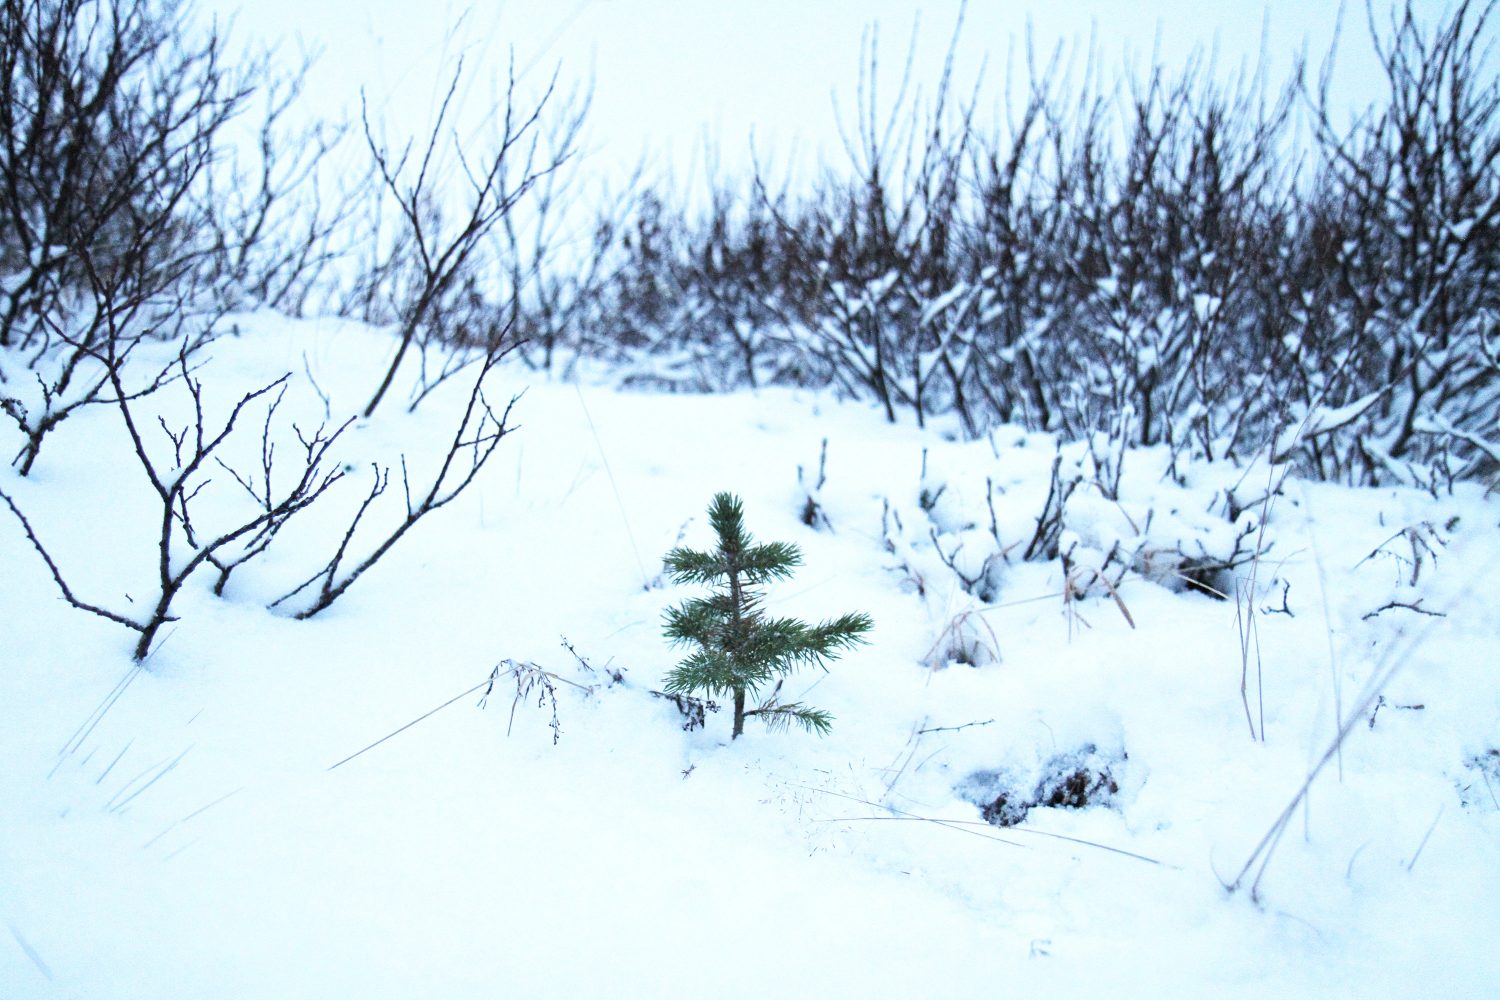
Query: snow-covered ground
point(181, 831)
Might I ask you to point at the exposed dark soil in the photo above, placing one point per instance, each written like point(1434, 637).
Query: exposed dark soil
point(1068, 781)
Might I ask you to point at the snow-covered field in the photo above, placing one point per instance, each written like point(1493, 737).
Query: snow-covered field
point(181, 830)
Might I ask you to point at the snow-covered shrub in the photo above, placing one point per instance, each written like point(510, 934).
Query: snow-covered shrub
point(114, 120)
point(1396, 373)
point(1092, 519)
point(1145, 260)
point(132, 209)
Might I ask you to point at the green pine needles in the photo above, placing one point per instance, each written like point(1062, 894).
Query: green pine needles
point(739, 648)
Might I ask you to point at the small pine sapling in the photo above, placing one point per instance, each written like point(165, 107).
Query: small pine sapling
point(739, 648)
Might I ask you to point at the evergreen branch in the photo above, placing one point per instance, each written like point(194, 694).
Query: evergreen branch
point(727, 517)
point(757, 564)
point(827, 640)
point(688, 566)
point(694, 621)
point(704, 670)
point(842, 633)
point(772, 561)
point(779, 718)
point(777, 641)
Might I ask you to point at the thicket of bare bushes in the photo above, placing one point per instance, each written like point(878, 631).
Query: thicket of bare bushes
point(1222, 269)
point(152, 181)
point(1217, 268)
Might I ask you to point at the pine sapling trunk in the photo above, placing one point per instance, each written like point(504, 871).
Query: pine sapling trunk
point(739, 713)
point(737, 597)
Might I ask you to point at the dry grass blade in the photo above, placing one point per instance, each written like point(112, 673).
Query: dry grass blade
point(527, 675)
point(489, 681)
point(1333, 666)
point(952, 637)
point(1425, 837)
point(1119, 601)
point(1390, 663)
point(967, 826)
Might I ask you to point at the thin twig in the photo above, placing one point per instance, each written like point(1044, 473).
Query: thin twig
point(953, 729)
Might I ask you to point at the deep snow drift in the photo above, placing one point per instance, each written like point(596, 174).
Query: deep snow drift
point(177, 830)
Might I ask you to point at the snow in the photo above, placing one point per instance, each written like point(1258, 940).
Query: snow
point(180, 830)
point(348, 807)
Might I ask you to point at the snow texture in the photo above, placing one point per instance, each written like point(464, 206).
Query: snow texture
point(180, 830)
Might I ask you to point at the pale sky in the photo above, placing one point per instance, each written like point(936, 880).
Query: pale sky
point(667, 74)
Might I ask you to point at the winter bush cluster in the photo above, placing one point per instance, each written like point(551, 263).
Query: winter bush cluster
point(1225, 270)
point(1220, 268)
point(151, 184)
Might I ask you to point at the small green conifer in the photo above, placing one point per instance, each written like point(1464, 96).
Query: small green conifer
point(739, 648)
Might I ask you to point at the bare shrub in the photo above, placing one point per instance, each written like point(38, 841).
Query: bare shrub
point(478, 433)
point(1397, 357)
point(1150, 252)
point(178, 471)
point(112, 116)
point(433, 276)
